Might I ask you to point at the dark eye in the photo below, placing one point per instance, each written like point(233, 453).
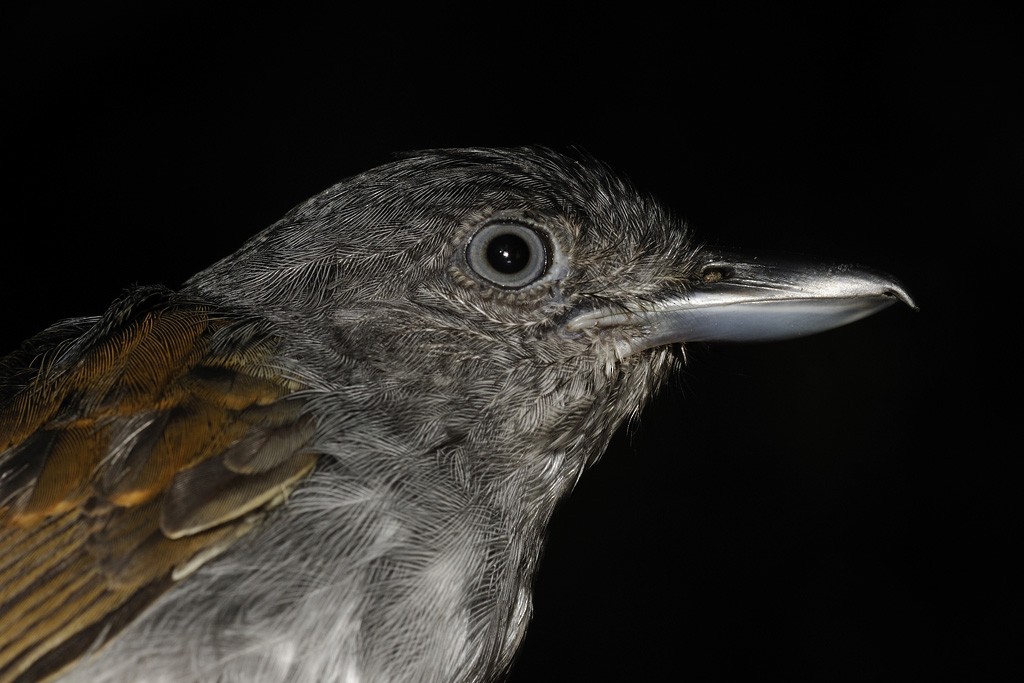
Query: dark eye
point(508, 254)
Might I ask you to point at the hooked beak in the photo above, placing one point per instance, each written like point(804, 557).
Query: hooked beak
point(740, 299)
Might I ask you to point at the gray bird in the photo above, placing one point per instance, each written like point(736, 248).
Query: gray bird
point(332, 455)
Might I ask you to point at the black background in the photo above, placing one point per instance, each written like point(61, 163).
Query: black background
point(823, 509)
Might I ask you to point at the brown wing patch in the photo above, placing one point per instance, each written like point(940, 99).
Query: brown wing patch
point(130, 456)
point(63, 483)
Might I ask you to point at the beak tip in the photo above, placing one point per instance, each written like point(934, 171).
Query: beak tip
point(897, 291)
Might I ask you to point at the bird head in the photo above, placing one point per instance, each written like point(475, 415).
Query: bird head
point(523, 303)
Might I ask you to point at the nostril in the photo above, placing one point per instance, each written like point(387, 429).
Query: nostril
point(713, 274)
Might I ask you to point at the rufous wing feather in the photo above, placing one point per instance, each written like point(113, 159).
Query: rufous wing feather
point(132, 449)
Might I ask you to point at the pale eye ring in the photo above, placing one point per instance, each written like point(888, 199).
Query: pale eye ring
point(510, 255)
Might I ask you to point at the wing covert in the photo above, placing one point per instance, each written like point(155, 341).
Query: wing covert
point(133, 450)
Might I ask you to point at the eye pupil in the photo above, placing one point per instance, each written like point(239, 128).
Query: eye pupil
point(508, 253)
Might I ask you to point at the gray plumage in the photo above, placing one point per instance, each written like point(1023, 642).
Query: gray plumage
point(449, 414)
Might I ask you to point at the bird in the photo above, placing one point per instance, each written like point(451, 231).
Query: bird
point(333, 454)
